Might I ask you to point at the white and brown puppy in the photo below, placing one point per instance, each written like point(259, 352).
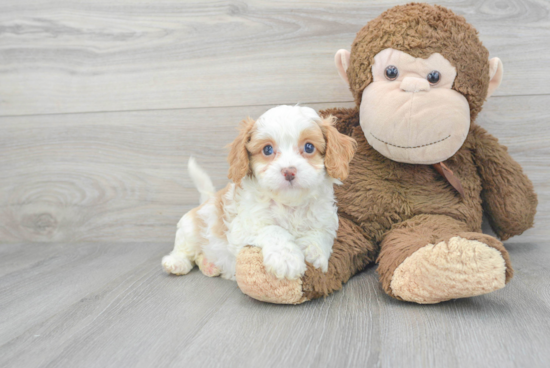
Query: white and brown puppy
point(283, 167)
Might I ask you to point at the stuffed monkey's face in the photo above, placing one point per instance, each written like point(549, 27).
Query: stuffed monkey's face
point(409, 113)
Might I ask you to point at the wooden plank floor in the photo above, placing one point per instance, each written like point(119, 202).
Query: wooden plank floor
point(109, 305)
point(101, 105)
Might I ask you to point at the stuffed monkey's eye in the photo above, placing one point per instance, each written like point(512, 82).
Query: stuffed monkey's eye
point(268, 150)
point(391, 72)
point(309, 148)
point(433, 77)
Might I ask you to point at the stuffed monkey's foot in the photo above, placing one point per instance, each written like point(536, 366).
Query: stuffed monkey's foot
point(256, 282)
point(460, 267)
point(207, 268)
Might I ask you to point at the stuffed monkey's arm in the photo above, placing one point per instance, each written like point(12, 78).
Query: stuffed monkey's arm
point(508, 195)
point(352, 252)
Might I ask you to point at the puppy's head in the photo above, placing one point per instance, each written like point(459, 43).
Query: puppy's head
point(290, 148)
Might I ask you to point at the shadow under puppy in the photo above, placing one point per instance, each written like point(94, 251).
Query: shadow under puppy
point(283, 167)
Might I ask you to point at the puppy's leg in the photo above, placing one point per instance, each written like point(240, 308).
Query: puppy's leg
point(282, 257)
point(317, 247)
point(187, 246)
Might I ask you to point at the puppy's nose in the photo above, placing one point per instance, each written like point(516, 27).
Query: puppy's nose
point(289, 173)
point(413, 84)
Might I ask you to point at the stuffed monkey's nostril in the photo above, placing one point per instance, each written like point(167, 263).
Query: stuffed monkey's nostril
point(289, 173)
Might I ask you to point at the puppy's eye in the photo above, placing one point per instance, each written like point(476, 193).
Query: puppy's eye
point(433, 77)
point(391, 72)
point(309, 148)
point(268, 150)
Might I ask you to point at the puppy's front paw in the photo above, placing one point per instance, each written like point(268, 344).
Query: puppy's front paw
point(284, 261)
point(177, 265)
point(316, 257)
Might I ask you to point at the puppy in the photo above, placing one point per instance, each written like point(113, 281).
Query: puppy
point(281, 199)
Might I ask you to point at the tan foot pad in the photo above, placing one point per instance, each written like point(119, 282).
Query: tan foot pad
point(207, 268)
point(459, 268)
point(256, 282)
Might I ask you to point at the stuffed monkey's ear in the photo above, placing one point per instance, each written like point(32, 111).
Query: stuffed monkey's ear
point(339, 150)
point(239, 165)
point(495, 75)
point(341, 59)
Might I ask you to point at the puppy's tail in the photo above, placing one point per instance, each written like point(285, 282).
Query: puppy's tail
point(201, 180)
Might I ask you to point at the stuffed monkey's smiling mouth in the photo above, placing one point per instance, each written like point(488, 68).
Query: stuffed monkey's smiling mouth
point(405, 147)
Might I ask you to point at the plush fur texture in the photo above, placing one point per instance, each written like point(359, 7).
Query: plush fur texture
point(391, 212)
point(281, 199)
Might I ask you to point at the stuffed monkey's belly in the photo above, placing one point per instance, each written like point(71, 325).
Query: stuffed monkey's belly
point(380, 192)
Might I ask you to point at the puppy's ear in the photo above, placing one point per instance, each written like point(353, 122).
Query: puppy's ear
point(339, 151)
point(239, 165)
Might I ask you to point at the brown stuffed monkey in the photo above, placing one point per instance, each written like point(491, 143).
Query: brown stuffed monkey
point(423, 172)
